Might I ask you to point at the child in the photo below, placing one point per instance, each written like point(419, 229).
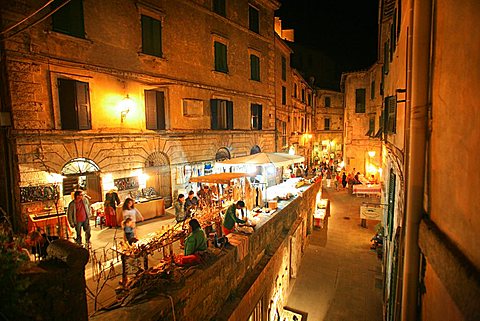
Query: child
point(129, 230)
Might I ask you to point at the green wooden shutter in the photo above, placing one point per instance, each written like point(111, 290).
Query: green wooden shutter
point(260, 121)
point(214, 105)
point(254, 68)
point(83, 106)
point(284, 95)
point(229, 114)
point(391, 203)
point(67, 101)
point(220, 57)
point(150, 109)
point(151, 36)
point(284, 68)
point(360, 100)
point(219, 7)
point(69, 19)
point(253, 17)
point(160, 100)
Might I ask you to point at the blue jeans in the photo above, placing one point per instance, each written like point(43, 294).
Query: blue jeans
point(78, 230)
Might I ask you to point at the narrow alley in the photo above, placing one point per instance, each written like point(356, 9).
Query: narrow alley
point(340, 278)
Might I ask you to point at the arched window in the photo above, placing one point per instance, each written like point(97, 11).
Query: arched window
point(255, 150)
point(222, 154)
point(80, 166)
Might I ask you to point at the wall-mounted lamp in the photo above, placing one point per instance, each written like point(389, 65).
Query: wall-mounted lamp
point(124, 106)
point(371, 153)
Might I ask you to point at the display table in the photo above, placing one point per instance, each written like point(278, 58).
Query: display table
point(321, 213)
point(51, 225)
point(149, 209)
point(369, 189)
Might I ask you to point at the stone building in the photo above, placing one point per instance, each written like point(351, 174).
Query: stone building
point(430, 85)
point(301, 117)
point(329, 113)
point(102, 93)
point(362, 101)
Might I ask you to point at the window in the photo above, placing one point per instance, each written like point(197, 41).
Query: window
point(151, 36)
point(254, 68)
point(284, 133)
point(219, 7)
point(284, 95)
point(386, 61)
point(155, 109)
point(256, 110)
point(74, 103)
point(303, 95)
point(69, 18)
point(360, 100)
point(253, 21)
point(220, 57)
point(371, 127)
point(192, 107)
point(309, 99)
point(391, 114)
point(372, 90)
point(327, 101)
point(221, 114)
point(295, 90)
point(284, 68)
point(326, 124)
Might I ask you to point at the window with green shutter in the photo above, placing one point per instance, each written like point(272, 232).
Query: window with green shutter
point(69, 18)
point(221, 114)
point(372, 90)
point(219, 7)
point(391, 114)
point(326, 124)
point(254, 68)
point(151, 36)
point(328, 101)
point(360, 100)
point(391, 203)
point(155, 109)
point(220, 57)
point(256, 112)
point(284, 68)
point(74, 100)
point(253, 19)
point(284, 95)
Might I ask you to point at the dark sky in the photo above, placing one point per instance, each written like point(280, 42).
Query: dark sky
point(346, 30)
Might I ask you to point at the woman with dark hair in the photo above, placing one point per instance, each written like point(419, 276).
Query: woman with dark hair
point(195, 244)
point(179, 206)
point(129, 211)
point(110, 206)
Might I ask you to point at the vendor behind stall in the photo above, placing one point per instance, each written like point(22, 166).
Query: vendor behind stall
point(195, 244)
point(231, 217)
point(191, 201)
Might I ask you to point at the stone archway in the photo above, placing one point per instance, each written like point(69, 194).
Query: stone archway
point(222, 154)
point(157, 167)
point(82, 173)
point(255, 150)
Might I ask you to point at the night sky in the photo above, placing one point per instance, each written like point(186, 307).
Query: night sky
point(345, 30)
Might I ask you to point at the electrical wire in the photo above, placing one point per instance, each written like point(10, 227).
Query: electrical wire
point(26, 18)
point(36, 22)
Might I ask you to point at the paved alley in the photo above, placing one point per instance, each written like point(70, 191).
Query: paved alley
point(340, 277)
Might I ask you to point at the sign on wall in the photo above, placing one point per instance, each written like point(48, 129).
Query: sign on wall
point(370, 212)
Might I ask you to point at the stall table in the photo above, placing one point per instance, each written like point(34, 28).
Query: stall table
point(369, 189)
point(51, 225)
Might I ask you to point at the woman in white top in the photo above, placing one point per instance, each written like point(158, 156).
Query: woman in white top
point(129, 211)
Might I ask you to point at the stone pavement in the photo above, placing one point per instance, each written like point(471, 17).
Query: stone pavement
point(340, 278)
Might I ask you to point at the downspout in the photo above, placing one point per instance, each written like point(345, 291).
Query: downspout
point(418, 86)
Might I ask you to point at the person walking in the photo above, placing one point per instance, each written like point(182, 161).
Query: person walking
point(78, 214)
point(179, 206)
point(344, 180)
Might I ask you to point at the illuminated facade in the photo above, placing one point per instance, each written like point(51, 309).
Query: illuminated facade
point(362, 121)
point(137, 92)
point(329, 125)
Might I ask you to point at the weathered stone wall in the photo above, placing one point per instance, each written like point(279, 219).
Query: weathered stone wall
point(227, 289)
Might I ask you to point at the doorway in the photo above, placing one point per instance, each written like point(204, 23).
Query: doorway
point(157, 167)
point(84, 174)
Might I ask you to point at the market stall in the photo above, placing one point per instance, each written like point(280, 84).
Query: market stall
point(150, 208)
point(367, 189)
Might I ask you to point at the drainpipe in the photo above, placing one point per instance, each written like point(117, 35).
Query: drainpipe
point(421, 13)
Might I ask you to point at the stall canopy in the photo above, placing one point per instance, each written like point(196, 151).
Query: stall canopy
point(276, 159)
point(221, 178)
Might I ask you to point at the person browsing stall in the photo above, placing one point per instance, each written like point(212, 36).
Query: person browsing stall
point(78, 214)
point(129, 211)
point(179, 206)
point(231, 217)
point(191, 201)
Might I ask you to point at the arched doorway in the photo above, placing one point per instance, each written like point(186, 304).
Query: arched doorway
point(255, 150)
point(222, 154)
point(157, 167)
point(82, 173)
